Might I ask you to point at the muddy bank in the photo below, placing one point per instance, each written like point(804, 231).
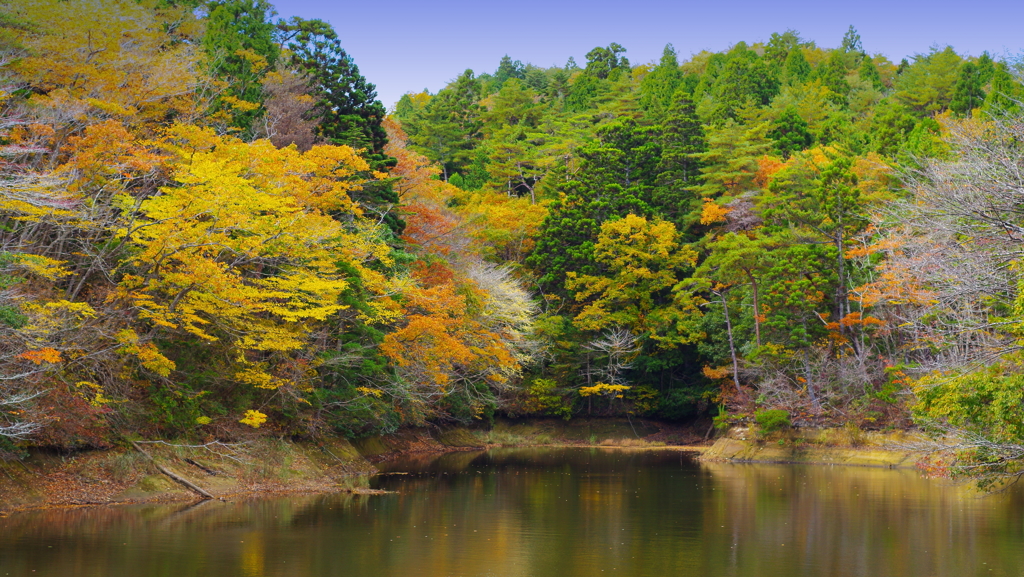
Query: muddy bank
point(838, 446)
point(148, 471)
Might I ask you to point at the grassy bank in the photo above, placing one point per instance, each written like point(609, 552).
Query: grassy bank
point(846, 445)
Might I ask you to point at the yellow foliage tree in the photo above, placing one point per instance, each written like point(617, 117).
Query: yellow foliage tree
point(244, 248)
point(643, 289)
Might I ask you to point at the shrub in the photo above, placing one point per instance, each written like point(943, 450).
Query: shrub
point(772, 420)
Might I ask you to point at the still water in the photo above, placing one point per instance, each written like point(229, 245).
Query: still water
point(550, 512)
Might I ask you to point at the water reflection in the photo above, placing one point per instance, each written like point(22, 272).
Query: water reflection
point(559, 512)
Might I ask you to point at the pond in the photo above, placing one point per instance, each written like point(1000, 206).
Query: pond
point(550, 512)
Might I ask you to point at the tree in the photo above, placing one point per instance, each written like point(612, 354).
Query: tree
point(790, 133)
point(347, 110)
point(851, 41)
point(641, 285)
point(1006, 93)
point(242, 251)
point(730, 163)
point(239, 43)
point(682, 140)
point(926, 87)
point(796, 70)
point(967, 92)
point(869, 72)
point(615, 177)
point(449, 129)
point(832, 74)
point(959, 239)
point(780, 46)
point(606, 63)
point(659, 86)
point(508, 69)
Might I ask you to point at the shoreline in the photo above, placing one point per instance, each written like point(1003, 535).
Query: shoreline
point(170, 473)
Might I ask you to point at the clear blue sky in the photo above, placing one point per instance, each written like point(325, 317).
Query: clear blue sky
point(403, 45)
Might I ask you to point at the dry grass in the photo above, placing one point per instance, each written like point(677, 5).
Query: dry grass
point(639, 443)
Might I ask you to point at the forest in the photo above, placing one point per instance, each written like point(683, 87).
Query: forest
point(211, 228)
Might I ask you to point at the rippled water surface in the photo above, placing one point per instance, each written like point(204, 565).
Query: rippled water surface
point(550, 512)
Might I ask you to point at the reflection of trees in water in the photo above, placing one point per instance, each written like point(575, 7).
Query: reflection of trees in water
point(857, 521)
point(550, 511)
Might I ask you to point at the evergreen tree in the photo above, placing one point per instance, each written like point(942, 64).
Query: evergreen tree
point(869, 72)
point(967, 92)
point(449, 129)
point(508, 69)
point(832, 74)
point(347, 109)
point(582, 93)
point(790, 132)
point(851, 41)
point(239, 42)
point(606, 62)
point(926, 87)
point(745, 80)
point(536, 79)
point(1006, 93)
point(889, 127)
point(796, 69)
point(682, 139)
point(615, 175)
point(730, 162)
point(781, 45)
point(659, 86)
point(986, 68)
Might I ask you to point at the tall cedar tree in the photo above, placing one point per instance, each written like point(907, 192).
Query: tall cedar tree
point(682, 139)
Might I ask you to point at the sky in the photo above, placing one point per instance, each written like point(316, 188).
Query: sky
point(406, 46)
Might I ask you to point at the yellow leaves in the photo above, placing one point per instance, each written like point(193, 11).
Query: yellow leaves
point(250, 248)
point(239, 104)
point(717, 373)
point(112, 54)
point(371, 392)
point(604, 389)
point(258, 378)
point(712, 212)
point(147, 353)
point(41, 266)
point(253, 418)
point(93, 393)
point(644, 260)
point(45, 355)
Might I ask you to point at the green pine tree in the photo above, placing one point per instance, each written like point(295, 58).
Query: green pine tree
point(790, 133)
point(236, 31)
point(347, 109)
point(967, 92)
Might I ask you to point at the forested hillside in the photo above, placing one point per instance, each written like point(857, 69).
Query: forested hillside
point(211, 225)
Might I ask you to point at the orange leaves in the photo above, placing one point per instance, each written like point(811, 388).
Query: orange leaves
point(107, 153)
point(45, 355)
point(767, 167)
point(712, 212)
point(717, 373)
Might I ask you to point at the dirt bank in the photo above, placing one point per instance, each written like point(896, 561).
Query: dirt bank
point(147, 471)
